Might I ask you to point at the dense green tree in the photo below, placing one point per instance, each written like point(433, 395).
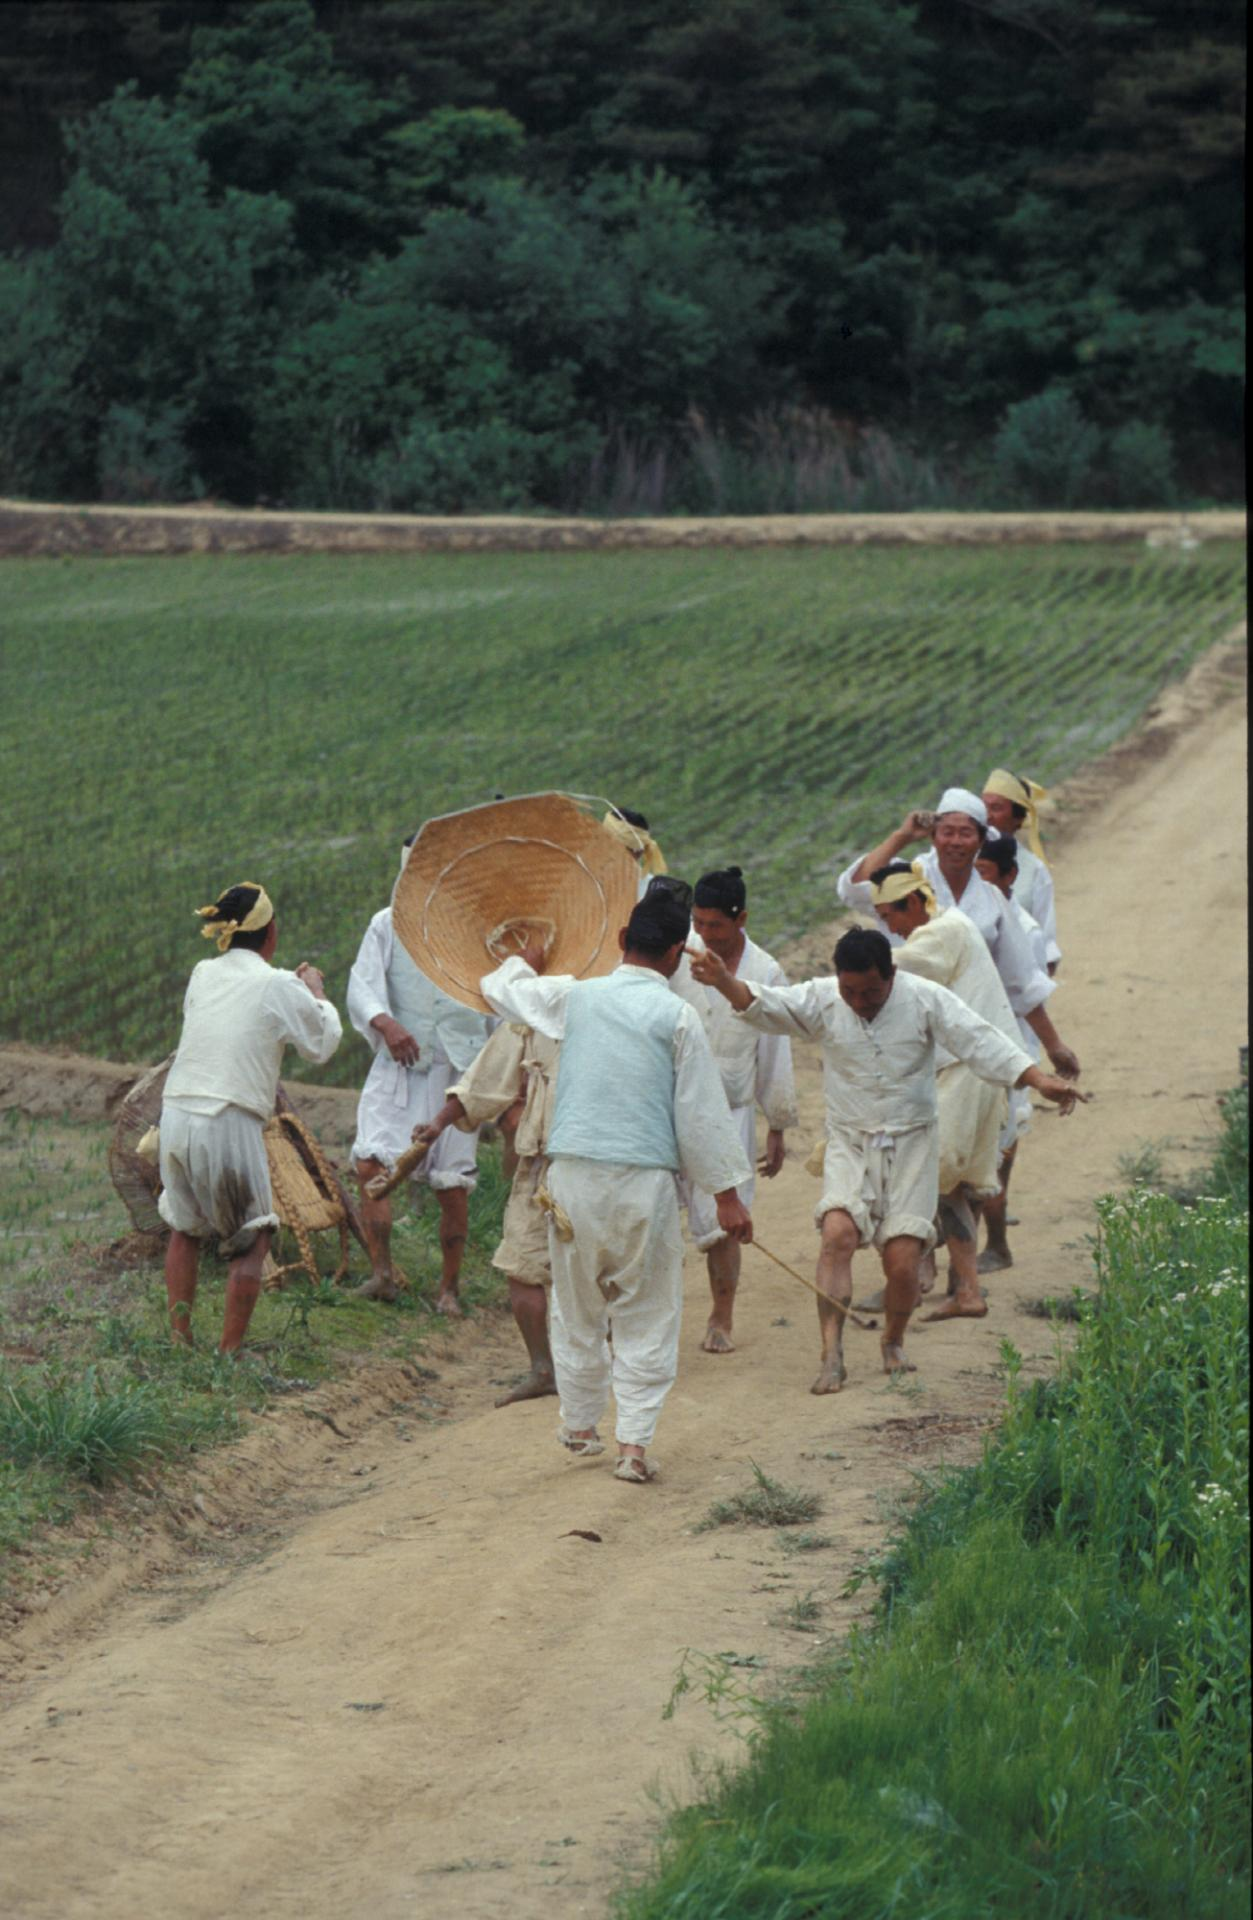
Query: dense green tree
point(583, 220)
point(521, 325)
point(157, 298)
point(275, 114)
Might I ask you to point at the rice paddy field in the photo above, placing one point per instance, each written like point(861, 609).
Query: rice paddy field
point(170, 725)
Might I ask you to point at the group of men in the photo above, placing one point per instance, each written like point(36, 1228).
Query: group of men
point(628, 1099)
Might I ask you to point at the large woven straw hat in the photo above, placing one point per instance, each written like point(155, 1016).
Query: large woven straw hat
point(479, 884)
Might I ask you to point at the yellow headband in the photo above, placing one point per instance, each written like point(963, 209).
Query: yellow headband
point(636, 840)
point(1022, 793)
point(259, 915)
point(899, 886)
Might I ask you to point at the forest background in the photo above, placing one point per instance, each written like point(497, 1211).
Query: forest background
point(702, 256)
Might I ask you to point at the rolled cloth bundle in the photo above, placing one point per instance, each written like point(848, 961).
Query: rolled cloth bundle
point(636, 838)
point(232, 913)
point(899, 885)
point(1021, 793)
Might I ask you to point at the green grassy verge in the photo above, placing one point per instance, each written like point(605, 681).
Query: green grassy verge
point(171, 724)
point(92, 1389)
point(1051, 1720)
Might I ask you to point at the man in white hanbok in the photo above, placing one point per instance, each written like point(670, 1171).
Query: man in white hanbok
point(1013, 805)
point(511, 1082)
point(879, 1031)
point(998, 865)
point(421, 1039)
point(958, 829)
point(941, 944)
point(638, 1103)
point(756, 1071)
point(239, 1016)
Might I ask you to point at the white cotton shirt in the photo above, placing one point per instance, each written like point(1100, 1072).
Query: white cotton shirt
point(1033, 891)
point(879, 1075)
point(1027, 985)
point(705, 1140)
point(755, 1067)
point(239, 1015)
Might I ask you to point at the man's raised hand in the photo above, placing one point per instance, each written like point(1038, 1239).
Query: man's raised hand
point(312, 979)
point(709, 969)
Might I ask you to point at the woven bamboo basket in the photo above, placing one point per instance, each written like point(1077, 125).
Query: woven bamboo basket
point(309, 1196)
point(478, 884)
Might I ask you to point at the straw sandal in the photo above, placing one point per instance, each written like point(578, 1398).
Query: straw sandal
point(584, 1449)
point(636, 1472)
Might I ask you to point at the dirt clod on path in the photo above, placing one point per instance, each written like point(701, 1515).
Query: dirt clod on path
point(399, 1680)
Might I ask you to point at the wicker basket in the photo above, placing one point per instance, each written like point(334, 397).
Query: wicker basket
point(309, 1196)
point(478, 884)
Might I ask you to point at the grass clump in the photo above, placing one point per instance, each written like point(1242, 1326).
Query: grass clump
point(805, 1542)
point(1051, 1718)
point(767, 1503)
point(98, 1431)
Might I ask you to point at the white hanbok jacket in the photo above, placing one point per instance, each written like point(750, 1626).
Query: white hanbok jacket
point(709, 1152)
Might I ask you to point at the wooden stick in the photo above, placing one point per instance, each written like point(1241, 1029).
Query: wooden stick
point(870, 1326)
point(382, 1184)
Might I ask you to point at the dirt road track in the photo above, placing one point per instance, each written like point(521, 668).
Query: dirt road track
point(30, 528)
point(402, 1687)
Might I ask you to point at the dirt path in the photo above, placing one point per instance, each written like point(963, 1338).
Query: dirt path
point(36, 527)
point(409, 1688)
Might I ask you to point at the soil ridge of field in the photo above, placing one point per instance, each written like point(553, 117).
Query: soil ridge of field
point(444, 1696)
point(37, 528)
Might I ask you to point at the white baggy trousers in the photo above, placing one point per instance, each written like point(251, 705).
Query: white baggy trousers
point(623, 1270)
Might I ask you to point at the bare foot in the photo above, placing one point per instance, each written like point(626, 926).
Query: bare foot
point(380, 1286)
point(959, 1307)
point(894, 1360)
point(448, 1303)
point(990, 1261)
point(834, 1374)
point(717, 1339)
point(537, 1384)
point(873, 1303)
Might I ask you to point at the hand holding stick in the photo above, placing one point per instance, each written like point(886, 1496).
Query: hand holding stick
point(384, 1183)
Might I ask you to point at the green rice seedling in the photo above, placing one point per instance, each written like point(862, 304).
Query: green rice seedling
point(767, 1503)
point(478, 652)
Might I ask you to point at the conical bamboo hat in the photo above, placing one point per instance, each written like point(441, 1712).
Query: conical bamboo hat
point(478, 884)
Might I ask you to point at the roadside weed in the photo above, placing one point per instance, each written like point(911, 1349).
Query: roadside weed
point(767, 1503)
point(1051, 1717)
